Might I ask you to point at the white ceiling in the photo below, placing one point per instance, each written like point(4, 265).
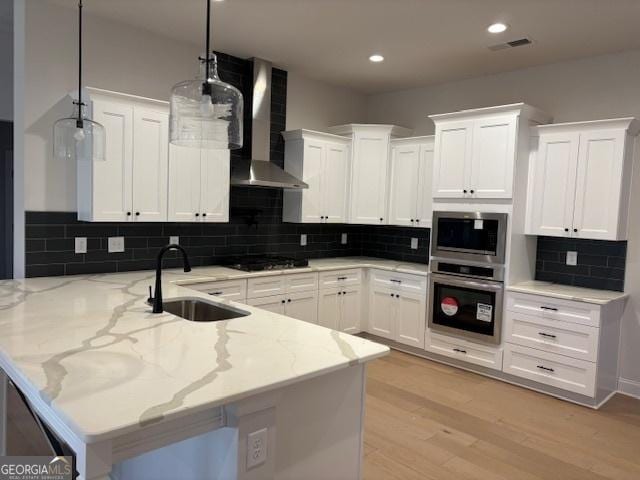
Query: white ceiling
point(424, 41)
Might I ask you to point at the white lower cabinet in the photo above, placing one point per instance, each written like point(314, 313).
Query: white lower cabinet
point(302, 306)
point(485, 356)
point(274, 303)
point(341, 308)
point(398, 307)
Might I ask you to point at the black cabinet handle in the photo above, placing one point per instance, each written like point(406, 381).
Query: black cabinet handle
point(459, 350)
point(391, 295)
point(216, 293)
point(546, 369)
point(342, 278)
point(553, 309)
point(128, 214)
point(418, 220)
point(381, 219)
point(575, 230)
point(197, 214)
point(471, 191)
point(344, 293)
point(566, 229)
point(137, 214)
point(464, 191)
point(204, 214)
point(412, 220)
point(282, 301)
point(397, 296)
point(289, 300)
point(548, 335)
point(339, 293)
point(396, 281)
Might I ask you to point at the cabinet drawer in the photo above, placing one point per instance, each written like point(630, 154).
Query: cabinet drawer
point(555, 336)
point(401, 281)
point(556, 370)
point(235, 290)
point(461, 350)
point(554, 309)
point(301, 282)
point(339, 278)
point(266, 286)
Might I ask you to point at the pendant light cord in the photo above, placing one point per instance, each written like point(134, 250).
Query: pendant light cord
point(206, 86)
point(80, 104)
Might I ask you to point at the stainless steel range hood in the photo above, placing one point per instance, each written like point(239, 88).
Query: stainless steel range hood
point(259, 171)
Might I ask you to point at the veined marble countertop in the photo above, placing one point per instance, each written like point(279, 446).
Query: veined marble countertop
point(90, 347)
point(216, 273)
point(567, 292)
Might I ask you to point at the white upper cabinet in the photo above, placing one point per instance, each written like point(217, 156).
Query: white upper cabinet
point(580, 178)
point(198, 185)
point(131, 184)
point(369, 170)
point(322, 161)
point(476, 150)
point(410, 198)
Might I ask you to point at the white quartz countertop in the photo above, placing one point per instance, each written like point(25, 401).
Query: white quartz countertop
point(90, 347)
point(567, 292)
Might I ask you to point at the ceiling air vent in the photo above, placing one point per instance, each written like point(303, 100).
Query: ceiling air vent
point(512, 44)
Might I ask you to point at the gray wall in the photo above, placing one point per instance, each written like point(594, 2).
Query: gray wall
point(606, 86)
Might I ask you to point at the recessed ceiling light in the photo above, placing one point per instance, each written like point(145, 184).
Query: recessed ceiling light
point(497, 28)
point(377, 58)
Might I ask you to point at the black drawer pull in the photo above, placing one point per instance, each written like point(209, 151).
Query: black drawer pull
point(216, 293)
point(396, 281)
point(546, 369)
point(548, 335)
point(342, 278)
point(459, 350)
point(553, 309)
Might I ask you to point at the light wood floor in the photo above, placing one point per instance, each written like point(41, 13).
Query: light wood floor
point(426, 421)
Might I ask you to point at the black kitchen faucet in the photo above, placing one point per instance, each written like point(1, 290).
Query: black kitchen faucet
point(156, 300)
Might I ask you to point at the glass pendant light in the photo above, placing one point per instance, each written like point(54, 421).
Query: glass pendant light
point(78, 137)
point(206, 112)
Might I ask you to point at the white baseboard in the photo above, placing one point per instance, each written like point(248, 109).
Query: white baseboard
point(629, 387)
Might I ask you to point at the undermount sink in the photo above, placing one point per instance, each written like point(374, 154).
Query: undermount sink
point(200, 311)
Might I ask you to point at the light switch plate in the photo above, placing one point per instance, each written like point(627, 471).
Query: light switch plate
point(116, 244)
point(257, 448)
point(572, 258)
point(81, 244)
point(175, 240)
point(303, 239)
point(414, 243)
point(343, 239)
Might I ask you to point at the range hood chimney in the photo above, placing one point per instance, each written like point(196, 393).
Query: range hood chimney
point(259, 171)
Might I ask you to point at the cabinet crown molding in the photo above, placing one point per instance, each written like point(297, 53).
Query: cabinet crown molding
point(522, 109)
point(629, 124)
point(302, 133)
point(351, 128)
point(427, 139)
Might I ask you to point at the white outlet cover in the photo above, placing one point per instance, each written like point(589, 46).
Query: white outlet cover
point(81, 244)
point(303, 239)
point(343, 239)
point(116, 244)
point(414, 243)
point(175, 240)
point(257, 448)
point(572, 258)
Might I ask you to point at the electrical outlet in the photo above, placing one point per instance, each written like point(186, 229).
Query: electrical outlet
point(343, 239)
point(256, 448)
point(116, 244)
point(303, 239)
point(572, 258)
point(81, 244)
point(175, 240)
point(414, 244)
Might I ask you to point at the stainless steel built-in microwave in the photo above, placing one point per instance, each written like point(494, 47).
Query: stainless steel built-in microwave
point(472, 236)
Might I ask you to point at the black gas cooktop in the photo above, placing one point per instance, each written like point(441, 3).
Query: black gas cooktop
point(268, 262)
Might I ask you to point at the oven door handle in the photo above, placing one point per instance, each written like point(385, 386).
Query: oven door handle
point(447, 280)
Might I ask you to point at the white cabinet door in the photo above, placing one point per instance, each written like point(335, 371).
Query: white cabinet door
point(184, 183)
point(112, 189)
point(314, 153)
point(425, 186)
point(491, 168)
point(329, 308)
point(335, 178)
point(452, 156)
point(598, 185)
point(150, 164)
point(382, 313)
point(411, 319)
point(554, 184)
point(302, 306)
point(369, 177)
point(214, 190)
point(275, 304)
point(405, 166)
point(351, 310)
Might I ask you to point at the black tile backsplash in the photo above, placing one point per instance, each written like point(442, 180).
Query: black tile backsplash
point(601, 264)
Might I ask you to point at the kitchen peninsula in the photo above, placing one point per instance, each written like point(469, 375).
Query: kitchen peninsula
point(141, 396)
